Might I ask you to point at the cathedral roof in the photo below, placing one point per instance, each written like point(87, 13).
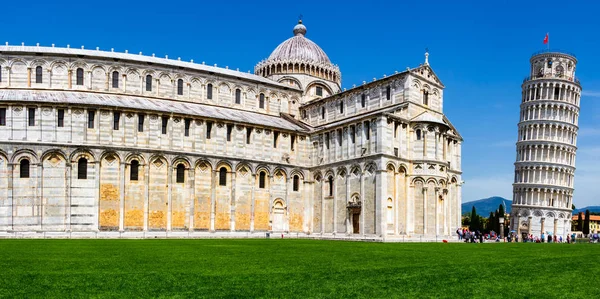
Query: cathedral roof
point(75, 98)
point(299, 48)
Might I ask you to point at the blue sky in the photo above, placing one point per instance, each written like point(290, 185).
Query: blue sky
point(479, 49)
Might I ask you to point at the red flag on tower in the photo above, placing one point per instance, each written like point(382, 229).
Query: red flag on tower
point(546, 39)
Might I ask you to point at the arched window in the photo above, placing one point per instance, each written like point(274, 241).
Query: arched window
point(180, 87)
point(418, 132)
point(223, 176)
point(261, 101)
point(296, 185)
point(262, 180)
point(24, 168)
point(79, 76)
point(363, 100)
point(238, 96)
point(209, 91)
point(425, 97)
point(388, 93)
point(82, 169)
point(148, 83)
point(180, 173)
point(38, 74)
point(134, 170)
point(341, 106)
point(330, 186)
point(115, 79)
point(323, 112)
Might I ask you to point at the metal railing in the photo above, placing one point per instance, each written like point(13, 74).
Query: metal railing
point(547, 51)
point(552, 76)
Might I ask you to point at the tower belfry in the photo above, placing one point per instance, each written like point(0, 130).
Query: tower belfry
point(546, 145)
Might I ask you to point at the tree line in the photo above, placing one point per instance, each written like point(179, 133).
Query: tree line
point(486, 225)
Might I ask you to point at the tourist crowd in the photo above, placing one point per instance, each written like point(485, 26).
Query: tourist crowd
point(468, 236)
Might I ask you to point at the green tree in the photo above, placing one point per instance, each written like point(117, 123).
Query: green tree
point(491, 222)
point(586, 223)
point(573, 206)
point(474, 220)
point(580, 221)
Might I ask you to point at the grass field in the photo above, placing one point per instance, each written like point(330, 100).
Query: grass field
point(295, 268)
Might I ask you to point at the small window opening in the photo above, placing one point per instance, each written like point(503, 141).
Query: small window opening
point(296, 184)
point(82, 168)
point(180, 87)
point(165, 124)
point(229, 131)
point(116, 120)
point(223, 176)
point(24, 168)
point(187, 123)
point(61, 118)
point(208, 129)
point(31, 117)
point(91, 118)
point(141, 118)
point(79, 74)
point(262, 180)
point(148, 83)
point(180, 173)
point(134, 170)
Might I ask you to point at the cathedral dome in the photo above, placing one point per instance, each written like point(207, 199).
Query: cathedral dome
point(299, 48)
point(299, 55)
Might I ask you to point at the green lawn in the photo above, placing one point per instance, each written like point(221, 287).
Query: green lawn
point(295, 268)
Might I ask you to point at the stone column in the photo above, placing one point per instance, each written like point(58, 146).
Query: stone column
point(233, 203)
point(146, 194)
point(170, 197)
point(335, 184)
point(252, 203)
point(425, 209)
point(213, 199)
point(543, 220)
point(348, 215)
point(192, 186)
point(555, 225)
point(122, 196)
point(437, 211)
point(70, 78)
point(68, 195)
point(28, 77)
point(362, 196)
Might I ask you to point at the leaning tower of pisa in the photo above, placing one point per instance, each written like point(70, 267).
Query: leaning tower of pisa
point(545, 164)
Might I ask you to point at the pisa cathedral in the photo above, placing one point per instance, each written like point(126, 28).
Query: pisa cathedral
point(104, 144)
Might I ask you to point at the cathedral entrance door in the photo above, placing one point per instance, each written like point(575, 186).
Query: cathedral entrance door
point(355, 223)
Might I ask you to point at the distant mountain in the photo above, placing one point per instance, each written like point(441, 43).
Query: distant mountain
point(486, 205)
point(593, 209)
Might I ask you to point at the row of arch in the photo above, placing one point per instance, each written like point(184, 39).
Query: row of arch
point(551, 91)
point(543, 197)
point(58, 74)
point(546, 175)
point(548, 132)
point(546, 153)
point(538, 213)
point(266, 69)
point(94, 157)
point(555, 112)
